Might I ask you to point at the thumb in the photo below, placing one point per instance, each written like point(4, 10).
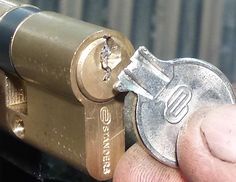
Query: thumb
point(206, 147)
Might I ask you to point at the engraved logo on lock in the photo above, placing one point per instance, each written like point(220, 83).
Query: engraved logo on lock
point(177, 105)
point(105, 116)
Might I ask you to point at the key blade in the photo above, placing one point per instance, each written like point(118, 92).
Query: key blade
point(145, 75)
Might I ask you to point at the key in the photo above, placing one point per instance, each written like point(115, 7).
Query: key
point(168, 92)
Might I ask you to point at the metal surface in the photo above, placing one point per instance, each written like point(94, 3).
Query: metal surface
point(9, 23)
point(168, 92)
point(60, 102)
point(37, 164)
point(6, 6)
point(94, 76)
point(129, 109)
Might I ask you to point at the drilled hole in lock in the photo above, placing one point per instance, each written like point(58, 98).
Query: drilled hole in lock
point(110, 56)
point(18, 127)
point(100, 62)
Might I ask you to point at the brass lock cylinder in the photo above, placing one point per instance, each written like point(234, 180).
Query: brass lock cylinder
point(44, 48)
point(66, 69)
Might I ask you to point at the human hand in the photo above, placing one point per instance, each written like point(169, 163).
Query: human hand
point(206, 151)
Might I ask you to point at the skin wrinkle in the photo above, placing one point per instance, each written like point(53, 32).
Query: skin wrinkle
point(144, 168)
point(202, 166)
point(204, 140)
point(187, 146)
point(195, 159)
point(141, 173)
point(221, 136)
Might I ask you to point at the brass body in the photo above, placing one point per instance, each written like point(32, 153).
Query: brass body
point(6, 6)
point(59, 102)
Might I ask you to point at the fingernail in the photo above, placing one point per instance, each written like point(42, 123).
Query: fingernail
point(219, 131)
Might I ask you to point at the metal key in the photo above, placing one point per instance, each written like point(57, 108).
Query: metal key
point(168, 93)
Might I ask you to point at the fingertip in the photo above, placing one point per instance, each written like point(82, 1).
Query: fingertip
point(195, 158)
point(219, 133)
point(138, 166)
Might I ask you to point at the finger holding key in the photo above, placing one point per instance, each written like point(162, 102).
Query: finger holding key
point(206, 152)
point(168, 92)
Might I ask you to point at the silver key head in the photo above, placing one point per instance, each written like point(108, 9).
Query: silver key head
point(168, 93)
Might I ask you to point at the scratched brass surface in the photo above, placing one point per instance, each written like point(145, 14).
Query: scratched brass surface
point(60, 103)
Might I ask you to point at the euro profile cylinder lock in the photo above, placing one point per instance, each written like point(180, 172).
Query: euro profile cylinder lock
point(57, 78)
